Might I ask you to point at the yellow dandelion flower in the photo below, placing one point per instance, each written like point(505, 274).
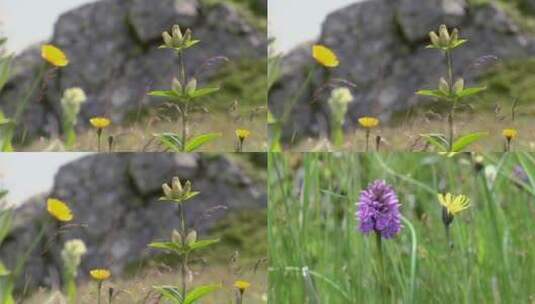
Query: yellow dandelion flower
point(368, 122)
point(100, 274)
point(59, 210)
point(100, 122)
point(54, 55)
point(510, 134)
point(242, 285)
point(325, 56)
point(242, 134)
point(454, 203)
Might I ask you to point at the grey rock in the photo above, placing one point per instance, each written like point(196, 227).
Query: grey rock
point(117, 211)
point(381, 46)
point(113, 50)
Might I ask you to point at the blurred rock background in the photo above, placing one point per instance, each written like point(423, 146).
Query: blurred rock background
point(113, 50)
point(381, 47)
point(114, 198)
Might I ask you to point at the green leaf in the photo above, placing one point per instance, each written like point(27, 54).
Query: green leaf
point(5, 67)
point(5, 223)
point(202, 92)
point(196, 142)
point(470, 91)
point(171, 246)
point(437, 140)
point(171, 141)
point(432, 93)
point(200, 292)
point(201, 244)
point(467, 140)
point(170, 293)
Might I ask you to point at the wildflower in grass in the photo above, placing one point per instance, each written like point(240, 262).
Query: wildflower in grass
point(241, 286)
point(378, 210)
point(72, 253)
point(71, 102)
point(451, 206)
point(325, 56)
point(100, 275)
point(54, 55)
point(510, 135)
point(242, 135)
point(450, 89)
point(368, 123)
point(59, 210)
point(338, 102)
point(99, 123)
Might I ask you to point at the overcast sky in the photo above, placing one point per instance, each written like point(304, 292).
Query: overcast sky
point(27, 174)
point(25, 22)
point(292, 22)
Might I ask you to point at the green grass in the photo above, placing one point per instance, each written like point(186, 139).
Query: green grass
point(318, 256)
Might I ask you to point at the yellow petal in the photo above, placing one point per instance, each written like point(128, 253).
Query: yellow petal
point(100, 122)
point(242, 285)
point(325, 56)
point(100, 274)
point(242, 133)
point(54, 55)
point(59, 210)
point(368, 122)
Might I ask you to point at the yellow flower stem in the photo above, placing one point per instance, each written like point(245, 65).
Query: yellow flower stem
point(239, 297)
point(98, 291)
point(99, 135)
point(367, 139)
point(240, 145)
point(508, 145)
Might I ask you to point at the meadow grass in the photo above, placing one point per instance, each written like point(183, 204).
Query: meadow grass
point(139, 136)
point(404, 134)
point(135, 289)
point(317, 254)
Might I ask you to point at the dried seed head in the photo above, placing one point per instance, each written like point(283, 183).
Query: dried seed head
point(444, 36)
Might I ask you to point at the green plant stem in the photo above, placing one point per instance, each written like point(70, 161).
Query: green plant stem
point(70, 286)
point(240, 145)
point(381, 275)
point(337, 134)
point(449, 62)
point(184, 264)
point(70, 134)
point(22, 106)
point(184, 114)
point(295, 98)
point(414, 248)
